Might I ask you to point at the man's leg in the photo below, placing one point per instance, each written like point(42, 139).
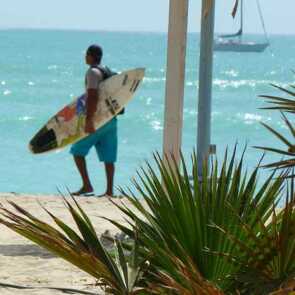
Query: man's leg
point(82, 168)
point(110, 171)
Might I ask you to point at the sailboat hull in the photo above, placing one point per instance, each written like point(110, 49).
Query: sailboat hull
point(232, 46)
point(235, 43)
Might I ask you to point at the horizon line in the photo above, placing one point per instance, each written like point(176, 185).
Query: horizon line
point(121, 31)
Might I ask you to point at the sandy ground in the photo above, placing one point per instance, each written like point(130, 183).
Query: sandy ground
point(27, 265)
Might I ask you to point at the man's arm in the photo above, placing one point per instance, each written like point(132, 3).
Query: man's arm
point(91, 105)
point(94, 77)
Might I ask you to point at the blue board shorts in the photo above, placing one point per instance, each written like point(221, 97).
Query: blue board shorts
point(105, 141)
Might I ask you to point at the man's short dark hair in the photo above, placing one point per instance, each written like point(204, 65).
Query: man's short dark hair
point(96, 52)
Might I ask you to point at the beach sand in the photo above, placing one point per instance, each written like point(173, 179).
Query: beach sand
point(25, 264)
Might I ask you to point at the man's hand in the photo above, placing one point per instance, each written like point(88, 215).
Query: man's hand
point(89, 126)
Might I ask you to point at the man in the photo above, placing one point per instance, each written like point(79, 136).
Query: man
point(104, 139)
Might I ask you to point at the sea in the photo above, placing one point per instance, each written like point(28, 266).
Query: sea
point(43, 70)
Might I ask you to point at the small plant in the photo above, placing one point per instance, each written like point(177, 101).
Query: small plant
point(267, 258)
point(219, 235)
point(176, 214)
point(119, 275)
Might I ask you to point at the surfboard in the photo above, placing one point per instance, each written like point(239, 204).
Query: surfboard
point(67, 126)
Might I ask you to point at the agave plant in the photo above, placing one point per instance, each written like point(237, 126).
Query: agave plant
point(283, 105)
point(267, 257)
point(84, 249)
point(176, 213)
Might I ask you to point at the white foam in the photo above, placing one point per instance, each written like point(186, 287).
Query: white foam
point(234, 83)
point(52, 67)
point(190, 112)
point(3, 83)
point(231, 73)
point(156, 125)
point(150, 115)
point(149, 101)
point(25, 118)
point(153, 80)
point(190, 83)
point(250, 118)
point(31, 83)
point(245, 83)
point(6, 92)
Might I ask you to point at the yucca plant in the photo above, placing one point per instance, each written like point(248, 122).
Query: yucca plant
point(172, 227)
point(176, 213)
point(191, 281)
point(282, 104)
point(83, 249)
point(267, 257)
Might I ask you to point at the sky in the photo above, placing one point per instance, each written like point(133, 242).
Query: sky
point(139, 15)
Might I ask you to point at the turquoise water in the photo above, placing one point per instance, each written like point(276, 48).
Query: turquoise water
point(41, 71)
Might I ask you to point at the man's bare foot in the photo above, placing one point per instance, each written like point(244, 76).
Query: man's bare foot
point(87, 192)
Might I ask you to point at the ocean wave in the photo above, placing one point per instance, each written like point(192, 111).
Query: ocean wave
point(231, 73)
point(152, 70)
point(190, 83)
point(156, 125)
point(190, 112)
point(154, 80)
point(6, 92)
point(235, 84)
point(30, 83)
point(25, 118)
point(150, 115)
point(223, 84)
point(148, 101)
point(250, 118)
point(52, 67)
point(3, 83)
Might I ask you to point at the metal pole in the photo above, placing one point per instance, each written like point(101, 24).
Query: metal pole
point(175, 77)
point(205, 82)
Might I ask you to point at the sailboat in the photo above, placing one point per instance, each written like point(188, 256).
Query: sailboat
point(234, 42)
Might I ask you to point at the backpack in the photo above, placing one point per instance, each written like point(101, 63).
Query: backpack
point(108, 73)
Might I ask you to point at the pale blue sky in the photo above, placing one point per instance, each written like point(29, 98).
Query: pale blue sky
point(138, 15)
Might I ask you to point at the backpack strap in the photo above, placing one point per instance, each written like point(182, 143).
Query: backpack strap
point(102, 69)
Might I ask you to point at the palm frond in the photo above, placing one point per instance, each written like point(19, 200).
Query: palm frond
point(190, 280)
point(278, 135)
point(83, 249)
point(177, 209)
point(290, 152)
point(267, 256)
